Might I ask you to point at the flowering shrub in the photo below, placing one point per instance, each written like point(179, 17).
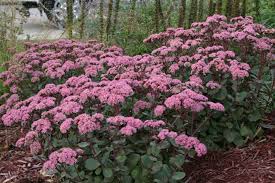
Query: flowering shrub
point(100, 115)
point(230, 63)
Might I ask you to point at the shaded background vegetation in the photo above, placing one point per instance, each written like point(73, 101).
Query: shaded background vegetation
point(127, 23)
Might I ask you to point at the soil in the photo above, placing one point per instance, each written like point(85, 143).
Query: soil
point(16, 165)
point(254, 163)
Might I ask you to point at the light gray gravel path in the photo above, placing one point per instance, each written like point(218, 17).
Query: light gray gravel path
point(36, 27)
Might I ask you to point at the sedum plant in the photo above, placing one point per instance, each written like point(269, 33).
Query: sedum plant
point(98, 115)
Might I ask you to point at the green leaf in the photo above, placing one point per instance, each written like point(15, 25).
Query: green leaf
point(164, 145)
point(146, 161)
point(97, 179)
point(107, 172)
point(245, 131)
point(154, 150)
point(164, 174)
point(241, 96)
point(91, 164)
point(136, 173)
point(255, 116)
point(156, 167)
point(106, 159)
point(230, 135)
point(98, 171)
point(238, 114)
point(178, 175)
point(238, 141)
point(133, 160)
point(178, 160)
point(127, 179)
point(83, 144)
point(221, 94)
point(121, 158)
point(229, 125)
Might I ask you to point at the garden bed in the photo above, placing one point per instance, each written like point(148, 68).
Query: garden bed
point(17, 165)
point(254, 163)
point(97, 115)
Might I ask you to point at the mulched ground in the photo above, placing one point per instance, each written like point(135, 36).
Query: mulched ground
point(252, 164)
point(17, 166)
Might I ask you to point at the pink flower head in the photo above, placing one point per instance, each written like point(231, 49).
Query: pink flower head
point(154, 124)
point(216, 106)
point(159, 110)
point(163, 134)
point(86, 123)
point(42, 125)
point(200, 149)
point(67, 156)
point(59, 117)
point(30, 136)
point(20, 142)
point(64, 155)
point(213, 85)
point(141, 105)
point(66, 125)
point(128, 130)
point(35, 147)
point(186, 142)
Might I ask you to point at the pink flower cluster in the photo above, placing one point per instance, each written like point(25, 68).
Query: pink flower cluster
point(87, 123)
point(184, 141)
point(187, 99)
point(30, 140)
point(55, 60)
point(64, 155)
point(131, 125)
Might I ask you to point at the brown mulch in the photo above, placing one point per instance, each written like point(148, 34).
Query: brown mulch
point(252, 164)
point(17, 166)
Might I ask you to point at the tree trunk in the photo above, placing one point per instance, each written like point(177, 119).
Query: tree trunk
point(200, 13)
point(157, 15)
point(193, 12)
point(168, 14)
point(131, 15)
point(211, 8)
point(219, 7)
point(161, 15)
point(82, 19)
point(244, 8)
point(101, 19)
point(228, 12)
point(70, 17)
point(257, 8)
point(117, 6)
point(109, 18)
point(236, 8)
point(182, 9)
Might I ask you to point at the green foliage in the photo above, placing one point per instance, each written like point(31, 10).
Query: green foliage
point(267, 13)
point(121, 160)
